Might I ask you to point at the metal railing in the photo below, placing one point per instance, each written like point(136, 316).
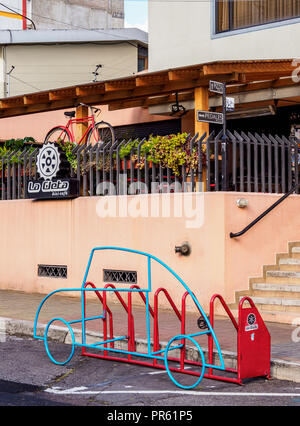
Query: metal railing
point(240, 162)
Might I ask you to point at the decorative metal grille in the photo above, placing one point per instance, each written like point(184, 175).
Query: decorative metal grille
point(52, 271)
point(115, 276)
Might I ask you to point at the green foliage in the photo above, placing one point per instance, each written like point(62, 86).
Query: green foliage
point(68, 148)
point(17, 144)
point(172, 151)
point(15, 147)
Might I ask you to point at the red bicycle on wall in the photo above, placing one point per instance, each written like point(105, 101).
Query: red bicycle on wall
point(96, 132)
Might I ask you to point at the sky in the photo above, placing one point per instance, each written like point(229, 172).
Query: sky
point(136, 14)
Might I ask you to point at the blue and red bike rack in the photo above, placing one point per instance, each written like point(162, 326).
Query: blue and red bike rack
point(253, 338)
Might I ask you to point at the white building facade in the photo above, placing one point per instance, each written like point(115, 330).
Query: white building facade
point(190, 32)
point(32, 61)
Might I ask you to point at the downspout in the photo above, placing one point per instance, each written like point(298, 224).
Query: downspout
point(24, 13)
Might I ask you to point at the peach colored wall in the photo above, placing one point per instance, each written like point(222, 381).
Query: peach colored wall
point(246, 255)
point(64, 232)
point(37, 125)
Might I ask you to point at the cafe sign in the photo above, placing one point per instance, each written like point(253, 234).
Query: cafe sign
point(54, 171)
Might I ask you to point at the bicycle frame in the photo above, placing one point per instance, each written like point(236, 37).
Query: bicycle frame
point(69, 127)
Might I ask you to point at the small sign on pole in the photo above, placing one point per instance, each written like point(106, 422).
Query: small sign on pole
point(230, 104)
point(210, 117)
point(216, 87)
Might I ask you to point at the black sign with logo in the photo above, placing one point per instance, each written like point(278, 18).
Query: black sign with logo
point(54, 171)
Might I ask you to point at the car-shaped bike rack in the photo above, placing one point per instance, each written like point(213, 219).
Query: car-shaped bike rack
point(253, 338)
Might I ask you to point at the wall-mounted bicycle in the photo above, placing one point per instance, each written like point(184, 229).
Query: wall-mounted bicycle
point(96, 131)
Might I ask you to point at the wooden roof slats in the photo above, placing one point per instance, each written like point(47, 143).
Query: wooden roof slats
point(146, 89)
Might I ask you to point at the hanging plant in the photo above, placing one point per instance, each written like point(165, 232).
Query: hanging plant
point(171, 151)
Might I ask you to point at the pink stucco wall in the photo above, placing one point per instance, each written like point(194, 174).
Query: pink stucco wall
point(64, 232)
point(37, 125)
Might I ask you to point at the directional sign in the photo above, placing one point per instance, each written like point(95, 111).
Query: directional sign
point(210, 117)
point(216, 87)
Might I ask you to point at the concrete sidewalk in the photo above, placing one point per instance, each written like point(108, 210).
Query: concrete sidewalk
point(18, 310)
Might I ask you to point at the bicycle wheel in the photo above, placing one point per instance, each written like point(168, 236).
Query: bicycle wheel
point(101, 133)
point(58, 134)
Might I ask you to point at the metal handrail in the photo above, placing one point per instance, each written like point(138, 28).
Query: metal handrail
point(254, 222)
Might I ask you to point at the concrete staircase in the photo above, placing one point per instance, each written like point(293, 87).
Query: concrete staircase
point(277, 293)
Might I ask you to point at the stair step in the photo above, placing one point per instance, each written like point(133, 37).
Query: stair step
point(283, 274)
point(276, 304)
point(276, 287)
point(275, 301)
point(296, 249)
point(288, 276)
point(289, 264)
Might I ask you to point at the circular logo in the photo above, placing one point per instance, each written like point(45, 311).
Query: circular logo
point(48, 161)
point(251, 319)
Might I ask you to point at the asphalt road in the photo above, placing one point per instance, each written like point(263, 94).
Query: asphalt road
point(29, 378)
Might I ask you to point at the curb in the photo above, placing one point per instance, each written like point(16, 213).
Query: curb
point(280, 369)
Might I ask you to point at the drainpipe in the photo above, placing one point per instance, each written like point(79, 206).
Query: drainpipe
point(24, 13)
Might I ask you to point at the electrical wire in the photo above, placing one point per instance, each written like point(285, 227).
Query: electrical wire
point(20, 14)
point(75, 26)
point(24, 82)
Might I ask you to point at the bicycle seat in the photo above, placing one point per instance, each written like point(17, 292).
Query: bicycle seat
point(70, 114)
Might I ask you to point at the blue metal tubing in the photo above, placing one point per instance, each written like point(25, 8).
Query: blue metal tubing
point(74, 290)
point(108, 341)
point(149, 257)
point(87, 319)
point(126, 352)
point(163, 350)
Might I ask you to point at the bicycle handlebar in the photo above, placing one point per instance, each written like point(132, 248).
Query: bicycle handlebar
point(94, 108)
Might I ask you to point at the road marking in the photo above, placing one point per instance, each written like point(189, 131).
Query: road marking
point(84, 391)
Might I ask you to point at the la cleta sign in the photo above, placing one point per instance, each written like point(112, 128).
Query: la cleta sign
point(54, 171)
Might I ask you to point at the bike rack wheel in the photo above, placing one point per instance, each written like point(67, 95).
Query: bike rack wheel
point(180, 337)
point(46, 341)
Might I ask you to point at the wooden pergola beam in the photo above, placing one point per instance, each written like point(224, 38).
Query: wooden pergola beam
point(146, 81)
point(61, 94)
point(96, 89)
point(11, 103)
point(158, 87)
point(246, 67)
point(36, 99)
point(120, 85)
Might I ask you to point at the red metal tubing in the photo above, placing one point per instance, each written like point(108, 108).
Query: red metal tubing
point(105, 308)
point(118, 296)
point(228, 311)
point(130, 316)
point(211, 320)
point(156, 329)
point(244, 299)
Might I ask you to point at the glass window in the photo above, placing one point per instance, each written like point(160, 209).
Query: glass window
point(142, 58)
point(236, 14)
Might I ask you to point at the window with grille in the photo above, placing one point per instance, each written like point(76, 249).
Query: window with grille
point(117, 276)
point(237, 14)
point(53, 271)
